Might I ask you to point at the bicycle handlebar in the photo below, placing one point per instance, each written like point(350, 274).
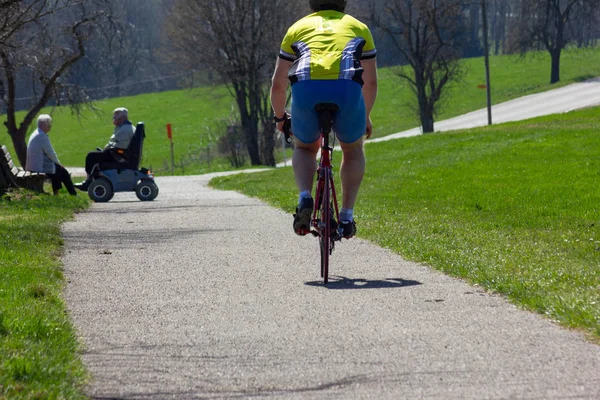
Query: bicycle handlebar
point(287, 128)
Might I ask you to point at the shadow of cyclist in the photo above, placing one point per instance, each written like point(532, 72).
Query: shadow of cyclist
point(341, 282)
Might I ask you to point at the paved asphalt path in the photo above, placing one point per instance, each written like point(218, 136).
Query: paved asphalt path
point(206, 294)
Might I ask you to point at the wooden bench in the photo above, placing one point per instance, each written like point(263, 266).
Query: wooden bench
point(14, 177)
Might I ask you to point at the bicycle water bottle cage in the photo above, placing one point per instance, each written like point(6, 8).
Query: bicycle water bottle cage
point(326, 112)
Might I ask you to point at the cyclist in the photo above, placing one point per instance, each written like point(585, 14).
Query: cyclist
point(329, 57)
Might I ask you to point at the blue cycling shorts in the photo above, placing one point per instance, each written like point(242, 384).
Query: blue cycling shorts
point(350, 122)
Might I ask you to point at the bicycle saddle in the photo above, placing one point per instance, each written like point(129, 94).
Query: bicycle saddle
point(326, 113)
point(323, 107)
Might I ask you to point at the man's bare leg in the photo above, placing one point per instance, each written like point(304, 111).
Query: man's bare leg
point(304, 162)
point(352, 172)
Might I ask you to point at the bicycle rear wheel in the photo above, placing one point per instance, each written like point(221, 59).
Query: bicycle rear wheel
point(325, 226)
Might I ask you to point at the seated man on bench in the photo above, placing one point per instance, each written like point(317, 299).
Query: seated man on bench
point(42, 158)
point(113, 151)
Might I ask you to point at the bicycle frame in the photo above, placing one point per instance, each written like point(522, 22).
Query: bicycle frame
point(325, 173)
point(325, 196)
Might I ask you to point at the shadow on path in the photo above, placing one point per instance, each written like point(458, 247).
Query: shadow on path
point(211, 393)
point(163, 209)
point(340, 282)
point(122, 238)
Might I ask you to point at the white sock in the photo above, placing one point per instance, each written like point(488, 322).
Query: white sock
point(305, 194)
point(346, 214)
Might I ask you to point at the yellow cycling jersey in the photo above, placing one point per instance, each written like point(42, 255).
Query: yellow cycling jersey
point(327, 45)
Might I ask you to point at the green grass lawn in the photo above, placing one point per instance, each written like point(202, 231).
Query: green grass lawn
point(514, 208)
point(194, 114)
point(39, 352)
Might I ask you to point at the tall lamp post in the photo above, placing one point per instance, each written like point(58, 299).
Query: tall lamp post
point(487, 61)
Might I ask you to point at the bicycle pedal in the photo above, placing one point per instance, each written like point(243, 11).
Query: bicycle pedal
point(315, 233)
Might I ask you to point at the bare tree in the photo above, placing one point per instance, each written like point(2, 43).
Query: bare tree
point(119, 54)
point(16, 15)
point(586, 30)
point(123, 52)
point(230, 144)
point(472, 13)
point(237, 40)
point(40, 41)
point(551, 25)
point(499, 11)
point(430, 35)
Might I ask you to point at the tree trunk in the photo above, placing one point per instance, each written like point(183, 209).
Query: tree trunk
point(248, 122)
point(4, 184)
point(427, 121)
point(251, 135)
point(18, 139)
point(268, 144)
point(253, 152)
point(555, 74)
point(424, 111)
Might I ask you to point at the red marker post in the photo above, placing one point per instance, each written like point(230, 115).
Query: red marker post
point(170, 136)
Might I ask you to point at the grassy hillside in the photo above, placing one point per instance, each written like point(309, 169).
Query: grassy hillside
point(511, 77)
point(194, 113)
point(514, 208)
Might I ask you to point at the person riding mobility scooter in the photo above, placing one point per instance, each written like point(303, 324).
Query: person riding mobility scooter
point(123, 174)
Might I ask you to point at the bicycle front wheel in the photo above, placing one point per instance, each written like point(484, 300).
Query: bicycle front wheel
point(325, 227)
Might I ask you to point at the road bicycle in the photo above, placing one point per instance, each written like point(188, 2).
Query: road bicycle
point(325, 215)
